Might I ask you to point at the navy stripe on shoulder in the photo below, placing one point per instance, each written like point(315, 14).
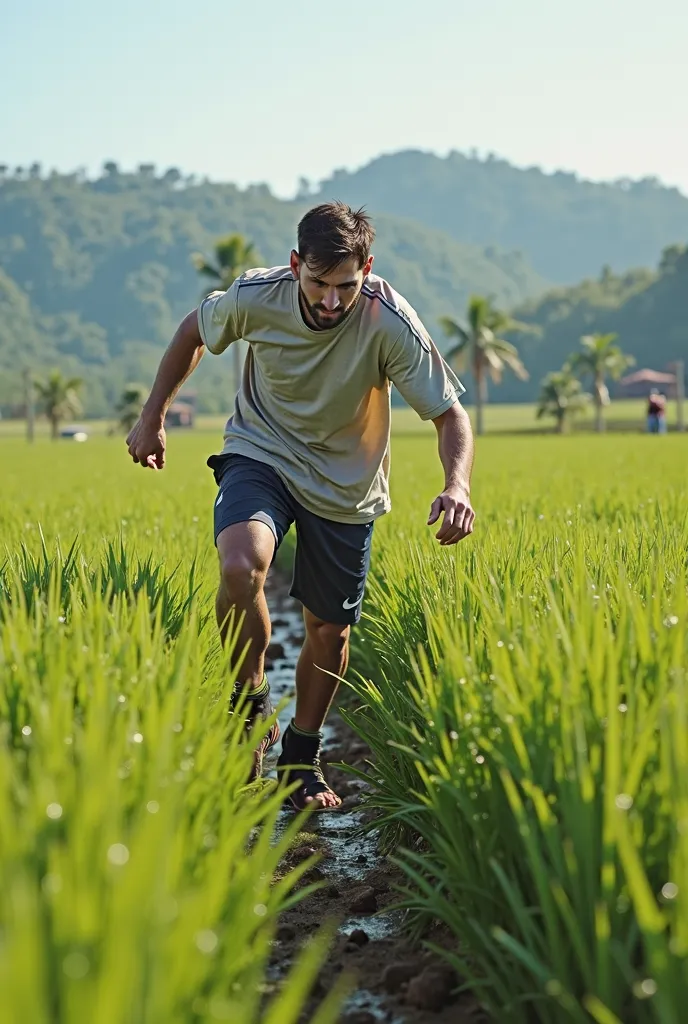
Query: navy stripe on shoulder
point(400, 313)
point(269, 280)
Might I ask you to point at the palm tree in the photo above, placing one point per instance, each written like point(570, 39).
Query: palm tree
point(481, 347)
point(562, 396)
point(233, 254)
point(59, 398)
point(130, 404)
point(600, 358)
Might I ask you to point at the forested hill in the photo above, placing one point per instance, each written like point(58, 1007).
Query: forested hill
point(95, 275)
point(648, 311)
point(568, 228)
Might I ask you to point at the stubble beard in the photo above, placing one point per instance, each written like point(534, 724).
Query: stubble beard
point(326, 323)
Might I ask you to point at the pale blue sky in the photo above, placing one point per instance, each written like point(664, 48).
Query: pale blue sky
point(269, 91)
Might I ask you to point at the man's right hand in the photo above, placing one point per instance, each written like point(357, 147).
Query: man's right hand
point(146, 443)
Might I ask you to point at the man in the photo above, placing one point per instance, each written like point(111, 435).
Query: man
point(308, 443)
point(656, 412)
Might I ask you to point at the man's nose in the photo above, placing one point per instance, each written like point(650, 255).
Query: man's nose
point(330, 299)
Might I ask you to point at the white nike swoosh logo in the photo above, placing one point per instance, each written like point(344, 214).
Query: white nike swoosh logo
point(352, 604)
point(219, 499)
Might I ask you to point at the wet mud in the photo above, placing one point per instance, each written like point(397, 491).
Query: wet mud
point(393, 980)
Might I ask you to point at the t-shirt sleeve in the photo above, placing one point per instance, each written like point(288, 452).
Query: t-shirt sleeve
point(218, 319)
point(417, 369)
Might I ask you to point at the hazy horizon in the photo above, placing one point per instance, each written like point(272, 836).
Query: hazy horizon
point(96, 170)
point(596, 90)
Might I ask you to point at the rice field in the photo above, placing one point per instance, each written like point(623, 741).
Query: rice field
point(524, 695)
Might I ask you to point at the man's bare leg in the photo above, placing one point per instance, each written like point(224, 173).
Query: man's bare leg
point(245, 551)
point(326, 647)
point(325, 650)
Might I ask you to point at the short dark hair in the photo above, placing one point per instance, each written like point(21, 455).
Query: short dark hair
point(333, 232)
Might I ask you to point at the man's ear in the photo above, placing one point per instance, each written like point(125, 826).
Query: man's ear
point(368, 265)
point(295, 263)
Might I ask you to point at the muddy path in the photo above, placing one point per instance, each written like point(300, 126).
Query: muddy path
point(394, 981)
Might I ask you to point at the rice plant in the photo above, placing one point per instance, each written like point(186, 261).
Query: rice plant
point(140, 878)
point(525, 700)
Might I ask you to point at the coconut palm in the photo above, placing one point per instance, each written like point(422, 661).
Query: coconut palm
point(562, 396)
point(482, 349)
point(232, 255)
point(59, 397)
point(129, 405)
point(600, 358)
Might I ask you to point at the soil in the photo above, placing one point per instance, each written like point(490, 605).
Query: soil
point(393, 980)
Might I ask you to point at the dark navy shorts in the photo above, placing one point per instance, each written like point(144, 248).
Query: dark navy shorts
point(332, 559)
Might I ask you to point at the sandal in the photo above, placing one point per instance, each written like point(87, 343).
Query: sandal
point(300, 759)
point(257, 709)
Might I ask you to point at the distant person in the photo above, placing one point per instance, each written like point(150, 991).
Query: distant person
point(308, 442)
point(656, 413)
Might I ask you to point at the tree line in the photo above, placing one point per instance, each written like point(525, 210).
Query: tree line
point(478, 345)
point(59, 395)
point(480, 348)
point(477, 198)
point(95, 272)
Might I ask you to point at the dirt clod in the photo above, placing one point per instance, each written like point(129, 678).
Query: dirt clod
point(275, 650)
point(359, 937)
point(285, 933)
point(396, 975)
point(349, 803)
point(332, 892)
point(301, 853)
point(365, 902)
point(431, 989)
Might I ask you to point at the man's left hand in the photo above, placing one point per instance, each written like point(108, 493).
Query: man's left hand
point(455, 502)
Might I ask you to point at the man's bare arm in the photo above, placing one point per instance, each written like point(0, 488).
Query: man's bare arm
point(146, 442)
point(455, 444)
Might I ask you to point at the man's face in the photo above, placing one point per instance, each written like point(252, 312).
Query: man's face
point(329, 298)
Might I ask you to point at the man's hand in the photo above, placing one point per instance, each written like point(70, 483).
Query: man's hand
point(455, 502)
point(146, 443)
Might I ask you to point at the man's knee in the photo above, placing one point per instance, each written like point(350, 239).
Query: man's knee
point(241, 574)
point(330, 636)
point(244, 560)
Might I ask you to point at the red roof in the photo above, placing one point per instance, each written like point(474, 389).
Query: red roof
point(648, 377)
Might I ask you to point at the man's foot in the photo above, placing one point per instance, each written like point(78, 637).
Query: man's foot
point(300, 759)
point(257, 708)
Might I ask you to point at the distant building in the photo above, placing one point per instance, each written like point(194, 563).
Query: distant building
point(74, 432)
point(640, 383)
point(180, 414)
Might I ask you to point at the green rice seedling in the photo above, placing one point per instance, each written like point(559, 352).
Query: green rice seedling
point(28, 578)
point(31, 574)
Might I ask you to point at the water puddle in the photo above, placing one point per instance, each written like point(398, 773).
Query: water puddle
point(366, 1002)
point(350, 853)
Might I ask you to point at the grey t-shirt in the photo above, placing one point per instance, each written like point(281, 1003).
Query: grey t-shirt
point(315, 404)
